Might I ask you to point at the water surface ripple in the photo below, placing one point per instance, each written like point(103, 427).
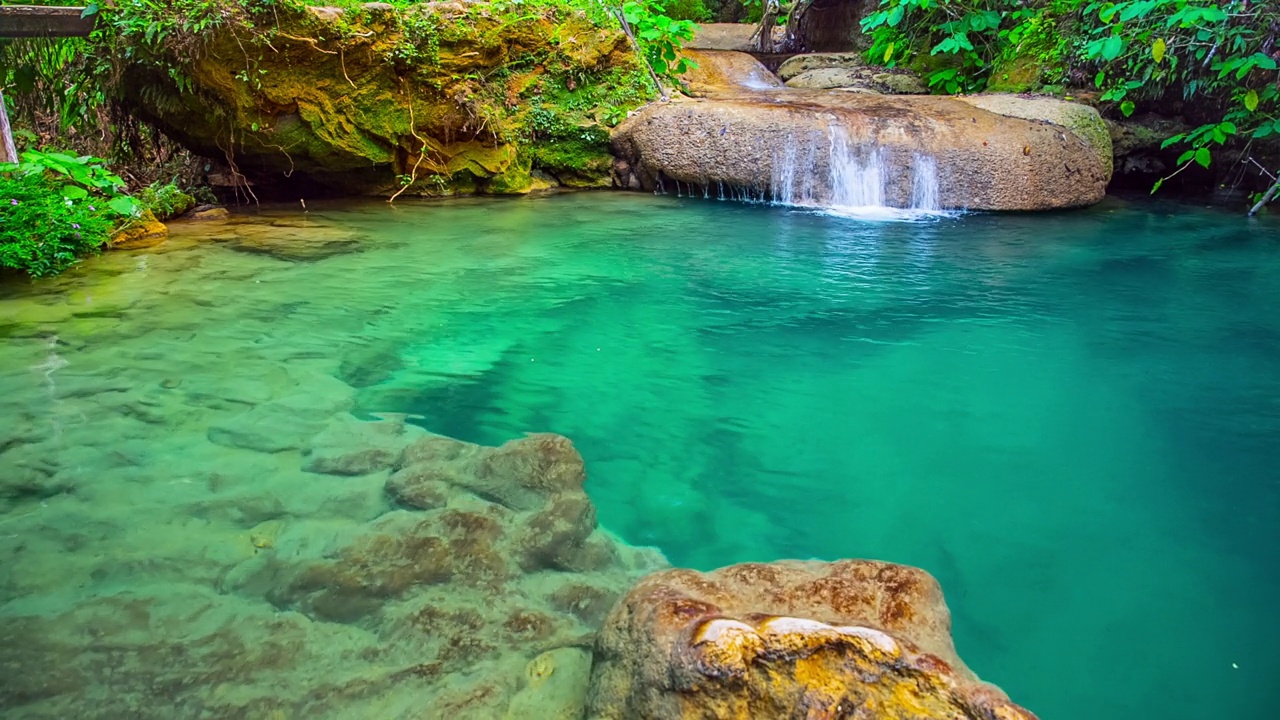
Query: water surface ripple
point(1072, 420)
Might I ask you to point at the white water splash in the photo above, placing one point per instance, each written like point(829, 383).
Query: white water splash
point(859, 180)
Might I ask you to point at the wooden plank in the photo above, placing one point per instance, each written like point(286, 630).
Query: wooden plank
point(19, 21)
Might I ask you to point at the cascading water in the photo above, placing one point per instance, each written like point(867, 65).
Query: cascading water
point(861, 180)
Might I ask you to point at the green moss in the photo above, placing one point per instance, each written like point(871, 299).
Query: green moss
point(575, 163)
point(474, 96)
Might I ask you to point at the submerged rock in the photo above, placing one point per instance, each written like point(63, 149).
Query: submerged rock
point(850, 639)
point(768, 141)
point(483, 606)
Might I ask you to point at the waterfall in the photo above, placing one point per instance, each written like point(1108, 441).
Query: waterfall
point(862, 180)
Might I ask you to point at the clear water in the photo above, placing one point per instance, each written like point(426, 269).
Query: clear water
point(1072, 420)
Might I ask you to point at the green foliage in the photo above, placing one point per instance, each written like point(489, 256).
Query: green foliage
point(81, 177)
point(660, 37)
point(165, 200)
point(1216, 53)
point(1220, 54)
point(42, 232)
point(693, 10)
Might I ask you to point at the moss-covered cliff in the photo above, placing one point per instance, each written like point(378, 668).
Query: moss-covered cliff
point(444, 98)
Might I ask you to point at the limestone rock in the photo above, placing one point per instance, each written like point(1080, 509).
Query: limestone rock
point(284, 424)
point(142, 232)
point(1083, 121)
point(349, 446)
point(984, 161)
point(720, 70)
point(880, 80)
point(355, 101)
point(208, 212)
point(798, 64)
point(849, 639)
point(477, 517)
point(722, 36)
point(308, 242)
point(555, 687)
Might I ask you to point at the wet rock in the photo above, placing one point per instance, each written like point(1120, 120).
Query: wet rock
point(719, 70)
point(861, 78)
point(479, 517)
point(820, 61)
point(983, 160)
point(349, 446)
point(208, 212)
point(294, 244)
point(848, 639)
point(285, 424)
point(555, 686)
point(146, 231)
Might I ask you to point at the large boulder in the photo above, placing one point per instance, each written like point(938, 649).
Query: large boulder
point(849, 639)
point(719, 70)
point(450, 97)
point(1083, 121)
point(864, 78)
point(797, 64)
point(722, 36)
point(755, 141)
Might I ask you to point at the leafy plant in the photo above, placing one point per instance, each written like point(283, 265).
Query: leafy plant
point(165, 200)
point(42, 232)
point(1221, 54)
point(660, 37)
point(1220, 57)
point(81, 176)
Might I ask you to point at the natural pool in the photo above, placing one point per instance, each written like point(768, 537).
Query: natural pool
point(1072, 420)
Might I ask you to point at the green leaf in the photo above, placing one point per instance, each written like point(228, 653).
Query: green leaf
point(1157, 49)
point(1186, 157)
point(74, 192)
point(1156, 187)
point(90, 9)
point(123, 205)
point(1251, 100)
point(1112, 48)
point(895, 16)
point(1126, 107)
point(1175, 139)
point(888, 52)
point(1203, 157)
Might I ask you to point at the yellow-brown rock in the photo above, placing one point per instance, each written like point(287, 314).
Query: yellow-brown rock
point(449, 97)
point(813, 640)
point(141, 232)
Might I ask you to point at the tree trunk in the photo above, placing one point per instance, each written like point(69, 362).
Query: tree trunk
point(8, 153)
point(827, 26)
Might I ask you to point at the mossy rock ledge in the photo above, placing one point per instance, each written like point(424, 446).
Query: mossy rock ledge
point(448, 98)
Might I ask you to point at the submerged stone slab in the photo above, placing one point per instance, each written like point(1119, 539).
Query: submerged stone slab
point(482, 607)
point(761, 141)
point(850, 639)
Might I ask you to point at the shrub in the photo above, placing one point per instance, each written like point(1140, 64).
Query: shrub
point(42, 232)
point(165, 201)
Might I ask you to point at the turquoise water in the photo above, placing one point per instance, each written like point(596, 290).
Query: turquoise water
point(1072, 420)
